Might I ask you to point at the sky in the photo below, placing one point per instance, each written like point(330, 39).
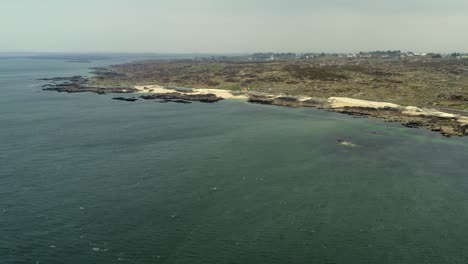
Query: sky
point(234, 26)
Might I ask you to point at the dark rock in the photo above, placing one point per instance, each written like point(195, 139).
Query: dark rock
point(412, 124)
point(133, 99)
point(288, 98)
point(204, 98)
point(290, 101)
point(176, 101)
point(314, 102)
point(78, 84)
point(71, 88)
point(259, 99)
point(61, 79)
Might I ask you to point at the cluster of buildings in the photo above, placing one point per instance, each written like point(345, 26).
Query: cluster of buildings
point(405, 54)
point(270, 56)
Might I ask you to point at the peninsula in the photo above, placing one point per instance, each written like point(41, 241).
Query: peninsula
point(417, 90)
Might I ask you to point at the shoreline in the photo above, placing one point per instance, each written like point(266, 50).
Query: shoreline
point(447, 124)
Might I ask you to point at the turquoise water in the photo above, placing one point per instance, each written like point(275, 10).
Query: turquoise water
point(86, 179)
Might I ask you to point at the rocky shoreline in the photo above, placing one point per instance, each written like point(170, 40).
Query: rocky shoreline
point(448, 124)
point(79, 84)
point(413, 117)
point(183, 98)
point(131, 99)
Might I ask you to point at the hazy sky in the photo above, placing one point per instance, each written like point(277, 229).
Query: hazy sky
point(232, 26)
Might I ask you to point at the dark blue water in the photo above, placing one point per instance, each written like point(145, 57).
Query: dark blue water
point(86, 179)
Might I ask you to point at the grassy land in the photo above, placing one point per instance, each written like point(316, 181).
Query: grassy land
point(420, 81)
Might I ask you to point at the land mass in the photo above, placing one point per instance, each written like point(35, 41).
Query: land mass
point(418, 91)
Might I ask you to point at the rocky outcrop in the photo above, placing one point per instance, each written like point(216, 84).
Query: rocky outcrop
point(260, 99)
point(70, 88)
point(78, 84)
point(448, 124)
point(176, 97)
point(132, 99)
point(413, 117)
point(175, 101)
point(74, 79)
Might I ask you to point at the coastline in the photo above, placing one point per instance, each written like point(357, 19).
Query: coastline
point(448, 124)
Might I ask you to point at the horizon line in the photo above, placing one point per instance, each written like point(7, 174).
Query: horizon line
point(217, 53)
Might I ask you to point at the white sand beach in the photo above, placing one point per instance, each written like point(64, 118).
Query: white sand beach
point(340, 102)
point(226, 94)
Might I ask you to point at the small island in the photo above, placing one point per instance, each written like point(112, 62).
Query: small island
point(417, 90)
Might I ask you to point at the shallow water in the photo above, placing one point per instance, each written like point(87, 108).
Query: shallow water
point(87, 179)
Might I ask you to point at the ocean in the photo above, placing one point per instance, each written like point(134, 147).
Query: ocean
point(87, 179)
